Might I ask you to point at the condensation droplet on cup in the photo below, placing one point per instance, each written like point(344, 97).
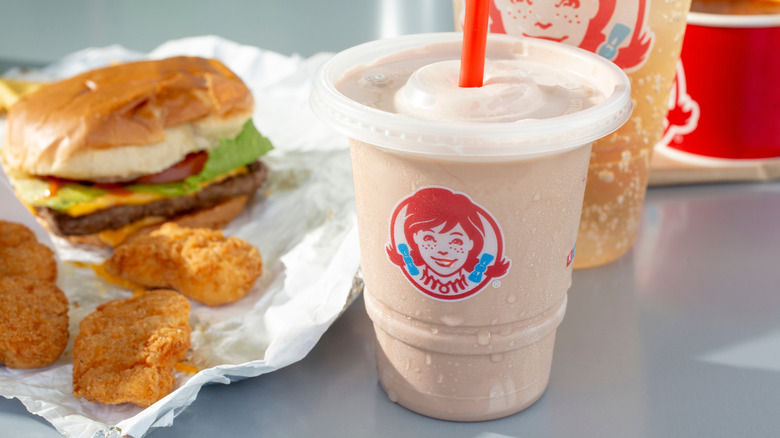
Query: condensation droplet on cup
point(606, 175)
point(496, 357)
point(428, 359)
point(392, 395)
point(483, 337)
point(440, 378)
point(453, 320)
point(511, 298)
point(434, 330)
point(537, 196)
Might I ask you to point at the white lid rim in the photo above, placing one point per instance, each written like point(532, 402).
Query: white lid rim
point(408, 134)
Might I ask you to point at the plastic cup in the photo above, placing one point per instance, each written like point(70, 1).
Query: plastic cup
point(467, 334)
point(644, 38)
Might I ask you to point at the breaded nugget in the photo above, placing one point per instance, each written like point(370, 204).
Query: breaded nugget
point(126, 349)
point(33, 322)
point(200, 263)
point(13, 234)
point(21, 253)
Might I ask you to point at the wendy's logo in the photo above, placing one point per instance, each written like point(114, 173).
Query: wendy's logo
point(446, 245)
point(684, 111)
point(615, 29)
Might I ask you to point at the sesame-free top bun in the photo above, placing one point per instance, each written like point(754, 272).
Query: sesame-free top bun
point(124, 121)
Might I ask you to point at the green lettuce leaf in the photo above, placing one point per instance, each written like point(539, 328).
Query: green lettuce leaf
point(35, 191)
point(231, 154)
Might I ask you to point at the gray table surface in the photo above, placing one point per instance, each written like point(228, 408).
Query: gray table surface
point(679, 338)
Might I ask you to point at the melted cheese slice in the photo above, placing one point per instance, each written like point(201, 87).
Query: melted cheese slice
point(112, 200)
point(115, 237)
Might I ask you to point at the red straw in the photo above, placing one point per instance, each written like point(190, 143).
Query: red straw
point(472, 56)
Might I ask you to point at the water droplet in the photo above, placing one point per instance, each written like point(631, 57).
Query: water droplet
point(428, 359)
point(434, 330)
point(440, 378)
point(392, 395)
point(606, 175)
point(496, 357)
point(511, 299)
point(483, 337)
point(537, 196)
point(453, 320)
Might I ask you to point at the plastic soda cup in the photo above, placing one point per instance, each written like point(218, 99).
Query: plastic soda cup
point(644, 38)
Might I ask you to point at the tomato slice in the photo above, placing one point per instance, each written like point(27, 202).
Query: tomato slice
point(113, 188)
point(192, 164)
point(55, 184)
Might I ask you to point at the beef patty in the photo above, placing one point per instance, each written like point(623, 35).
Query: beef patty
point(113, 218)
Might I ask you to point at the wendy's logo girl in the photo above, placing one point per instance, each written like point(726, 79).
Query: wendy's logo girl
point(615, 29)
point(446, 245)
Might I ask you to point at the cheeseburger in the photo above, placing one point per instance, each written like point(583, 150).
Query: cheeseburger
point(104, 154)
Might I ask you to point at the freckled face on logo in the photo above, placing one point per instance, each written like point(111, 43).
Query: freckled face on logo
point(445, 252)
point(445, 244)
point(554, 20)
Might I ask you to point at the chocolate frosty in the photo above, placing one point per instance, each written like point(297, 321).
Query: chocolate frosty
point(468, 202)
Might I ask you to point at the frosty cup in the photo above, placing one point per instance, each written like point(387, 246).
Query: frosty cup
point(644, 38)
point(468, 201)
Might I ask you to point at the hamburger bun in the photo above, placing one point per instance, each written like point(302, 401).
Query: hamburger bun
point(127, 120)
point(113, 150)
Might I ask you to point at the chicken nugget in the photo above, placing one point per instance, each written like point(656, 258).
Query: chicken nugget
point(200, 263)
point(21, 254)
point(33, 322)
point(126, 349)
point(14, 234)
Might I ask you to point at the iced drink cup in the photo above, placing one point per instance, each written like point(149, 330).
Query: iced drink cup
point(468, 201)
point(644, 38)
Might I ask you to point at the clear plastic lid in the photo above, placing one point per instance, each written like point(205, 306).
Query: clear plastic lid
point(474, 140)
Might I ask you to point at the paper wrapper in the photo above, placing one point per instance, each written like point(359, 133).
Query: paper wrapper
point(303, 223)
